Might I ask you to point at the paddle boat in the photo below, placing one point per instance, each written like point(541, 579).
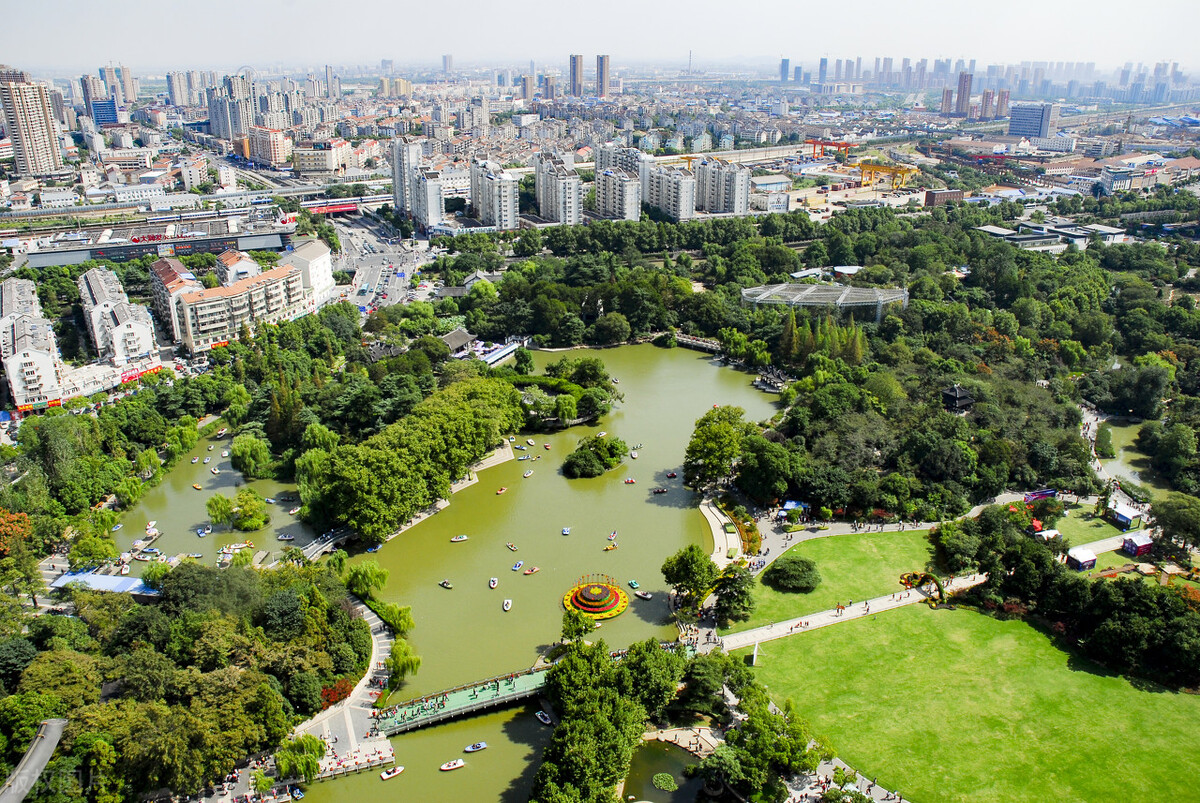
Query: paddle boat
point(200, 531)
point(294, 511)
point(150, 525)
point(196, 486)
point(457, 763)
point(523, 457)
point(643, 595)
point(544, 718)
point(151, 550)
point(195, 460)
point(530, 442)
point(546, 446)
point(512, 438)
point(611, 547)
point(660, 490)
point(671, 475)
point(517, 566)
point(225, 453)
point(458, 539)
point(207, 460)
point(207, 529)
point(124, 569)
point(528, 474)
point(215, 470)
point(221, 433)
point(195, 555)
point(117, 527)
point(566, 531)
point(387, 775)
point(493, 583)
point(286, 537)
point(507, 604)
point(522, 448)
point(475, 748)
point(630, 481)
point(533, 570)
point(210, 448)
point(243, 545)
point(374, 548)
point(152, 532)
point(601, 434)
point(141, 557)
point(446, 584)
point(297, 794)
point(511, 546)
point(501, 490)
point(634, 584)
point(633, 455)
point(612, 535)
point(270, 500)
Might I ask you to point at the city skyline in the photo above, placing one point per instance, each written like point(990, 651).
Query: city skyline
point(247, 34)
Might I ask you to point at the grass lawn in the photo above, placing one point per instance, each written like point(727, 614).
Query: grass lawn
point(1079, 529)
point(955, 706)
point(855, 566)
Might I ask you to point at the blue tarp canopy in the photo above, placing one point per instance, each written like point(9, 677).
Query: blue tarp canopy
point(792, 505)
point(104, 582)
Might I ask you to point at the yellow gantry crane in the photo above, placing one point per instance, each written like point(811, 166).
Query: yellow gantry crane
point(898, 174)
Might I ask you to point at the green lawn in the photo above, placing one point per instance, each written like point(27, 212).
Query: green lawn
point(1080, 530)
point(955, 706)
point(855, 566)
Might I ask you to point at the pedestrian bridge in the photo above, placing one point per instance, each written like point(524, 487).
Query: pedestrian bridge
point(461, 701)
point(698, 343)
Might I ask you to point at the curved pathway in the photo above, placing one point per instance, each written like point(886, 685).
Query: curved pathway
point(26, 775)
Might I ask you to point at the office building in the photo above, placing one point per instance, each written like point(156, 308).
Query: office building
point(122, 332)
point(494, 194)
point(1033, 120)
point(672, 191)
point(447, 64)
point(428, 200)
point(213, 317)
point(406, 158)
point(559, 189)
point(93, 90)
point(104, 112)
point(576, 75)
point(170, 281)
point(603, 76)
point(947, 101)
point(784, 68)
point(722, 187)
point(1002, 103)
point(29, 121)
point(332, 90)
point(962, 104)
point(618, 194)
point(315, 262)
point(823, 70)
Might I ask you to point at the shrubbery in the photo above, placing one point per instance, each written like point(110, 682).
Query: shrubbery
point(594, 456)
point(792, 572)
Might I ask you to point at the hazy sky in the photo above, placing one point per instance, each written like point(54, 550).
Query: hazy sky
point(67, 36)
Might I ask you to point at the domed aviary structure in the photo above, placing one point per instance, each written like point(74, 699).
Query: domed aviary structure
point(598, 596)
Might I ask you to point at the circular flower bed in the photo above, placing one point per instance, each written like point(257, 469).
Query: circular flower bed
point(598, 599)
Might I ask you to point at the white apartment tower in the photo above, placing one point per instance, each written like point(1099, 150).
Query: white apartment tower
point(406, 156)
point(121, 331)
point(428, 200)
point(672, 190)
point(722, 186)
point(27, 346)
point(630, 160)
point(494, 194)
point(559, 189)
point(29, 121)
point(618, 194)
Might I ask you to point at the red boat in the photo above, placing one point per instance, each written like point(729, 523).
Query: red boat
point(532, 570)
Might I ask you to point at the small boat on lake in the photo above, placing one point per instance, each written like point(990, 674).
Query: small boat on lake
point(475, 748)
point(533, 570)
point(493, 583)
point(211, 448)
point(195, 460)
point(387, 775)
point(633, 455)
point(458, 539)
point(610, 547)
point(270, 500)
point(294, 511)
point(150, 550)
point(660, 490)
point(523, 457)
point(671, 475)
point(197, 487)
point(207, 460)
point(195, 555)
point(601, 434)
point(446, 584)
point(630, 481)
point(511, 546)
point(566, 531)
point(528, 474)
point(207, 529)
point(634, 584)
point(225, 453)
point(457, 763)
point(215, 470)
point(151, 524)
point(544, 718)
point(374, 548)
point(522, 448)
point(501, 490)
point(612, 535)
point(124, 569)
point(507, 605)
point(546, 446)
point(286, 537)
point(530, 441)
point(643, 595)
point(117, 527)
point(517, 566)
point(141, 557)
point(512, 438)
point(221, 433)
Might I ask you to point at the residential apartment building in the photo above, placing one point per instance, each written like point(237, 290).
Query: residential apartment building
point(962, 103)
point(169, 282)
point(576, 75)
point(210, 318)
point(27, 347)
point(122, 332)
point(193, 172)
point(29, 121)
point(618, 194)
point(270, 146)
point(315, 261)
point(722, 186)
point(630, 160)
point(603, 76)
point(494, 194)
point(406, 158)
point(559, 189)
point(324, 158)
point(428, 201)
point(234, 266)
point(672, 191)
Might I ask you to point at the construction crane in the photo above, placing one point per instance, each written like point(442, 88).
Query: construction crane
point(897, 173)
point(840, 147)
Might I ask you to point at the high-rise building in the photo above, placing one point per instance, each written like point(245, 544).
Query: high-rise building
point(1002, 103)
point(823, 70)
point(549, 88)
point(429, 203)
point(722, 186)
point(447, 64)
point(406, 157)
point(630, 160)
point(28, 347)
point(112, 85)
point(987, 111)
point(269, 146)
point(386, 66)
point(177, 91)
point(494, 194)
point(104, 112)
point(603, 76)
point(128, 85)
point(672, 192)
point(528, 86)
point(618, 194)
point(576, 75)
point(120, 331)
point(559, 189)
point(798, 74)
point(947, 101)
point(1033, 120)
point(333, 89)
point(784, 69)
point(29, 121)
point(228, 117)
point(962, 103)
point(93, 91)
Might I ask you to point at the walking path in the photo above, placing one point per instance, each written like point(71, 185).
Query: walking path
point(724, 543)
point(700, 742)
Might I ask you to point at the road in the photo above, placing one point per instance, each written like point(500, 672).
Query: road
point(377, 259)
point(22, 781)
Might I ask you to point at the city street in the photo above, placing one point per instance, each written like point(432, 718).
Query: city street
point(377, 262)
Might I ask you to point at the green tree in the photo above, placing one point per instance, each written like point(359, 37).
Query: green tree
point(715, 446)
point(691, 572)
point(219, 508)
point(251, 455)
point(401, 663)
point(611, 328)
point(364, 578)
point(735, 595)
point(792, 571)
point(576, 625)
point(524, 361)
point(1178, 516)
